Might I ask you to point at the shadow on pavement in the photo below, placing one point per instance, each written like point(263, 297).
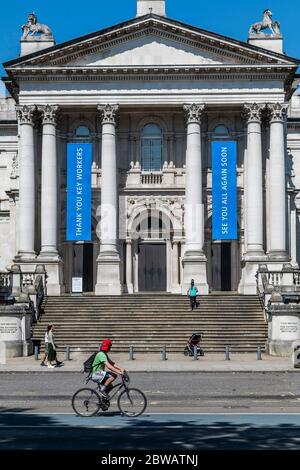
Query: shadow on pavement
point(22, 430)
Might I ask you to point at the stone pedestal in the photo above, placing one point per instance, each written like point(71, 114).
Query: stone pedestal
point(15, 323)
point(248, 284)
point(194, 267)
point(108, 275)
point(284, 328)
point(54, 281)
point(35, 44)
point(266, 41)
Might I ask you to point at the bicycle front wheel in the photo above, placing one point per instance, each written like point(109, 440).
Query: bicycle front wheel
point(132, 402)
point(86, 402)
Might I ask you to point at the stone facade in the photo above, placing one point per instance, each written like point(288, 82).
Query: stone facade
point(193, 87)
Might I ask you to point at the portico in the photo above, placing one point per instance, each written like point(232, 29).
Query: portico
point(151, 95)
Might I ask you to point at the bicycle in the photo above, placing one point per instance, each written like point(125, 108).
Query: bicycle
point(131, 402)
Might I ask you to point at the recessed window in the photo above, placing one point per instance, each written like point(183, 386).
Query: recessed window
point(151, 142)
point(82, 132)
point(221, 131)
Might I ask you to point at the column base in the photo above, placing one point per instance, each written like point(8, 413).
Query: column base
point(252, 260)
point(108, 274)
point(248, 285)
point(176, 289)
point(51, 256)
point(129, 288)
point(26, 256)
point(255, 256)
point(278, 256)
point(194, 267)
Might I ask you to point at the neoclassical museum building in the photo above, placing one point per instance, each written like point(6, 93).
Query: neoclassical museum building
point(148, 153)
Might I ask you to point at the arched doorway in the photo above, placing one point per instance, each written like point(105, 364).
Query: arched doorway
point(153, 254)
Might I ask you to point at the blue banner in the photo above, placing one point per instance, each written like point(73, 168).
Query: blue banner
point(79, 193)
point(224, 194)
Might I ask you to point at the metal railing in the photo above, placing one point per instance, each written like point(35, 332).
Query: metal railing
point(40, 295)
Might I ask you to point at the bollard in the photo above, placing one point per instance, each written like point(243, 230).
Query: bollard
point(195, 358)
point(227, 350)
point(131, 353)
point(68, 353)
point(164, 353)
point(259, 353)
point(36, 353)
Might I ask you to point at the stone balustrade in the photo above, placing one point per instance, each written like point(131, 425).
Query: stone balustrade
point(279, 292)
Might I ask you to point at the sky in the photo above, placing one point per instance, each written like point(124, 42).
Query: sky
point(69, 19)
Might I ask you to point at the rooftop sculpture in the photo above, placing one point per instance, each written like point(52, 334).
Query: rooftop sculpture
point(33, 29)
point(266, 23)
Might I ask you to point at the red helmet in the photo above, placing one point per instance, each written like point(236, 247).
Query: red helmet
point(106, 344)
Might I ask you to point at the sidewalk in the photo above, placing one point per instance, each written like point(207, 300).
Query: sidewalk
point(154, 363)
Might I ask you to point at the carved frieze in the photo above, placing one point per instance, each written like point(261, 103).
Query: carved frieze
point(109, 113)
point(193, 112)
point(172, 206)
point(14, 166)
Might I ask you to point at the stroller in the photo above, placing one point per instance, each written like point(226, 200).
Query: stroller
point(193, 341)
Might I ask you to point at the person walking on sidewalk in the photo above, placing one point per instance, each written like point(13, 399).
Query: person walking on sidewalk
point(50, 349)
point(45, 358)
point(192, 294)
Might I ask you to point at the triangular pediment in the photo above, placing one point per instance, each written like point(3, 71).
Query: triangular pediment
point(151, 41)
point(151, 50)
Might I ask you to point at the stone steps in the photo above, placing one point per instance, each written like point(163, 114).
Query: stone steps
point(148, 322)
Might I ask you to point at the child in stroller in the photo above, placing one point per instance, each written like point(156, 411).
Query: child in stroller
point(192, 342)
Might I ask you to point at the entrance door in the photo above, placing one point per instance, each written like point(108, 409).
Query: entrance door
point(152, 267)
point(221, 266)
point(83, 265)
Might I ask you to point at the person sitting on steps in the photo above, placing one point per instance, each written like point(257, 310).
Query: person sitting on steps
point(104, 370)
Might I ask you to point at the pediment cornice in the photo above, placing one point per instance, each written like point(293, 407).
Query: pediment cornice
point(67, 52)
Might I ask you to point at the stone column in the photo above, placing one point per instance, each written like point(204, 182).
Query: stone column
point(277, 184)
point(49, 208)
point(252, 112)
point(108, 271)
point(129, 266)
point(27, 196)
point(49, 184)
point(194, 261)
point(254, 204)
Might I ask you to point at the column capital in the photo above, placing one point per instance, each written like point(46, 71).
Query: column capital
point(277, 111)
point(252, 112)
point(26, 114)
point(49, 113)
point(108, 113)
point(193, 112)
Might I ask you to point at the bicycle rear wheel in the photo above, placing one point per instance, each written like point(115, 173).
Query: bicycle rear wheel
point(86, 402)
point(132, 402)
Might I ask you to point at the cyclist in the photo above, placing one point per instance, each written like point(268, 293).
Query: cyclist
point(104, 370)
